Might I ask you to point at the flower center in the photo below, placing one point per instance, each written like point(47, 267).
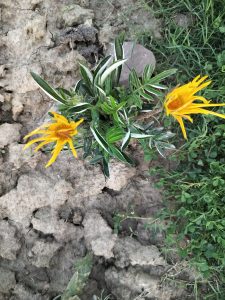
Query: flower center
point(64, 132)
point(176, 103)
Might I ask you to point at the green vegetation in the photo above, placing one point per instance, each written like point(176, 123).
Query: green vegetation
point(79, 279)
point(195, 190)
point(113, 114)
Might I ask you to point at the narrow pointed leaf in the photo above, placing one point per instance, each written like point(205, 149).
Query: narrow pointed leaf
point(126, 140)
point(100, 140)
point(80, 107)
point(50, 91)
point(102, 65)
point(162, 76)
point(109, 70)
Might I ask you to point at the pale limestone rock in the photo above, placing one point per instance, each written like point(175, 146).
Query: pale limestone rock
point(42, 253)
point(17, 106)
point(75, 14)
point(9, 133)
point(130, 252)
point(107, 34)
point(33, 191)
point(9, 244)
point(98, 235)
point(22, 81)
point(46, 220)
point(22, 293)
point(28, 4)
point(7, 280)
point(119, 175)
point(19, 157)
point(66, 62)
point(130, 283)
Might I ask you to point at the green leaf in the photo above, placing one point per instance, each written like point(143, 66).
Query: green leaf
point(100, 140)
point(87, 147)
point(105, 164)
point(163, 75)
point(96, 159)
point(109, 70)
point(140, 135)
point(88, 78)
point(101, 66)
point(114, 134)
point(119, 54)
point(120, 155)
point(81, 107)
point(79, 278)
point(153, 91)
point(148, 71)
point(50, 91)
point(118, 47)
point(126, 140)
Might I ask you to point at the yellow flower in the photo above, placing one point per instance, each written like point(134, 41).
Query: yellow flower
point(61, 132)
point(180, 102)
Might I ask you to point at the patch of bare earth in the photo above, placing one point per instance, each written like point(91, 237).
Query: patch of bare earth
point(51, 217)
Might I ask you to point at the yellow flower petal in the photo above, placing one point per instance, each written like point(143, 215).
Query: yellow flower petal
point(61, 132)
point(180, 102)
point(59, 146)
point(72, 148)
point(33, 141)
point(179, 119)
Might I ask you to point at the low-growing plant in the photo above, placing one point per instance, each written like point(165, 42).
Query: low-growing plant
point(111, 114)
point(79, 279)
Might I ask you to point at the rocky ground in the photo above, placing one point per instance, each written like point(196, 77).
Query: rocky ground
point(50, 218)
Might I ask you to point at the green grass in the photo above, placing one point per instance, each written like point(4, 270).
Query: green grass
point(196, 49)
point(195, 190)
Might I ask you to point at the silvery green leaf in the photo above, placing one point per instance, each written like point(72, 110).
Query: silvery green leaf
point(126, 140)
point(88, 77)
point(120, 155)
point(159, 86)
point(140, 135)
point(148, 71)
point(109, 70)
point(153, 91)
point(100, 140)
point(50, 91)
point(162, 76)
point(167, 135)
point(102, 65)
point(101, 90)
point(145, 96)
point(80, 107)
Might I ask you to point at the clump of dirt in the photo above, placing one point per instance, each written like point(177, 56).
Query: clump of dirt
point(49, 218)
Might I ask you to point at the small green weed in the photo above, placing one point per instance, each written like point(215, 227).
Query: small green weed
point(79, 279)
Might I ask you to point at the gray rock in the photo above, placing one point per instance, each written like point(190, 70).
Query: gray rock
point(138, 57)
point(120, 175)
point(32, 192)
point(128, 252)
point(98, 235)
point(21, 293)
point(42, 253)
point(47, 221)
point(9, 243)
point(75, 15)
point(9, 133)
point(130, 283)
point(7, 280)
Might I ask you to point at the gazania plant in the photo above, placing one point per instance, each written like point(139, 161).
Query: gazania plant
point(103, 117)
